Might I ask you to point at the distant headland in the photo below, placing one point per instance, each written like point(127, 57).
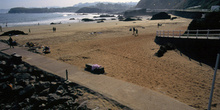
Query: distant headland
point(103, 7)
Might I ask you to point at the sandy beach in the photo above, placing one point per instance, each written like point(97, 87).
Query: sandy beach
point(129, 58)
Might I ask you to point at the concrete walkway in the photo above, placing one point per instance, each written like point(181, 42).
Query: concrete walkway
point(128, 94)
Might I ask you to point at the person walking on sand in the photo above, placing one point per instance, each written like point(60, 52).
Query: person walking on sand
point(136, 32)
point(1, 28)
point(133, 30)
point(10, 42)
point(54, 29)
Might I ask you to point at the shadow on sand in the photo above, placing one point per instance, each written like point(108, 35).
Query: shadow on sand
point(202, 50)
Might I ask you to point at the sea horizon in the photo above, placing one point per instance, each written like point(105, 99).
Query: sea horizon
point(29, 19)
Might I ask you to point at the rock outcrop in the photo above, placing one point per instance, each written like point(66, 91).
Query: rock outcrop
point(161, 15)
point(13, 32)
point(211, 21)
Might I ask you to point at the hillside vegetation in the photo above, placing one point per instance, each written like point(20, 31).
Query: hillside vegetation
point(93, 7)
point(176, 4)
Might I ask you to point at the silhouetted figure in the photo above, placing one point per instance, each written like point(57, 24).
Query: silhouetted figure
point(54, 29)
point(29, 30)
point(10, 40)
point(136, 32)
point(1, 28)
point(133, 30)
point(158, 25)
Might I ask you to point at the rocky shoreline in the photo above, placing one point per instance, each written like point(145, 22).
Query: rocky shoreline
point(23, 86)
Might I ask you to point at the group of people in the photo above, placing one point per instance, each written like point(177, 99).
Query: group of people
point(135, 31)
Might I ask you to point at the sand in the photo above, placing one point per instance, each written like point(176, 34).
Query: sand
point(129, 58)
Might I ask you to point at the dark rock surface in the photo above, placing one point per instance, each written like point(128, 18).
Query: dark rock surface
point(13, 32)
point(161, 15)
point(211, 21)
point(87, 20)
point(164, 48)
point(23, 86)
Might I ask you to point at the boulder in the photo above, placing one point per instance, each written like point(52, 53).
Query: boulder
point(41, 86)
point(87, 20)
point(26, 92)
point(16, 59)
point(130, 19)
point(163, 49)
point(161, 15)
point(72, 18)
point(13, 32)
point(18, 88)
point(60, 90)
point(107, 16)
point(22, 76)
point(6, 78)
point(54, 99)
point(5, 87)
point(38, 100)
point(53, 87)
point(45, 92)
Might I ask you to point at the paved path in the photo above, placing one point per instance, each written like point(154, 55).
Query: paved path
point(131, 95)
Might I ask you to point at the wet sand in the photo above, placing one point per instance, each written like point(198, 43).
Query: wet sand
point(129, 58)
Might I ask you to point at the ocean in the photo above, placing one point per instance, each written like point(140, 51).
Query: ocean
point(27, 19)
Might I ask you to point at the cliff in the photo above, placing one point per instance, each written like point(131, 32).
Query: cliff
point(96, 7)
point(176, 4)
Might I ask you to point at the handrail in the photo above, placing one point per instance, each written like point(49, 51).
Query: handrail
point(189, 33)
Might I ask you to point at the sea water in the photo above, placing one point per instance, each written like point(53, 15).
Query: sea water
point(28, 19)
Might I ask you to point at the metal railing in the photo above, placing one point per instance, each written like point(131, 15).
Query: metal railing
point(196, 34)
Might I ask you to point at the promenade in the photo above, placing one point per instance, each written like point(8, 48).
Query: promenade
point(190, 34)
point(128, 94)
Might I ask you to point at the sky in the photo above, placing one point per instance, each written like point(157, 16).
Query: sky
point(7, 4)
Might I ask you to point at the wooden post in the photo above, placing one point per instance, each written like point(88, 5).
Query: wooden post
point(173, 33)
point(66, 74)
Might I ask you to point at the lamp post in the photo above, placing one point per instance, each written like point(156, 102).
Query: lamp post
point(213, 82)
